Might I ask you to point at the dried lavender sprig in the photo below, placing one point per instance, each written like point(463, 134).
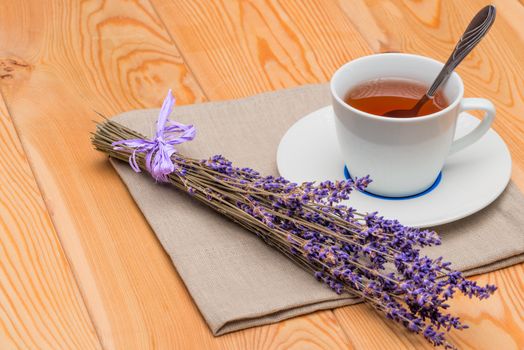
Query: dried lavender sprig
point(349, 251)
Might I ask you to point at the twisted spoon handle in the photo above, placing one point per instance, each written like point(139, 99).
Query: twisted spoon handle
point(477, 28)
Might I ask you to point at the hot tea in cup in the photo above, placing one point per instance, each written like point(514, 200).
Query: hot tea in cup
point(380, 96)
point(403, 156)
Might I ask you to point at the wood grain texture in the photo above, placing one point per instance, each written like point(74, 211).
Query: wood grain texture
point(238, 48)
point(59, 61)
point(41, 306)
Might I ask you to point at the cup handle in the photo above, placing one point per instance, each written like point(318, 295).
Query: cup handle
point(475, 104)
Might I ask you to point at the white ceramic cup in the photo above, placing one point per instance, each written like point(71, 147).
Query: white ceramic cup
point(403, 157)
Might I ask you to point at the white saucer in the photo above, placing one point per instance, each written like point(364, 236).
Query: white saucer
point(471, 178)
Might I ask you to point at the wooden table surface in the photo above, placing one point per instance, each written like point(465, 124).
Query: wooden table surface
point(79, 266)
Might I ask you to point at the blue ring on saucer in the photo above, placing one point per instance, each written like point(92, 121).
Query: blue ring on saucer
point(431, 188)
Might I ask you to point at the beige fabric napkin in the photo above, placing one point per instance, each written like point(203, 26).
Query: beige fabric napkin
point(234, 278)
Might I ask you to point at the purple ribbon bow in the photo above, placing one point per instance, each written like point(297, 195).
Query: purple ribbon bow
point(158, 151)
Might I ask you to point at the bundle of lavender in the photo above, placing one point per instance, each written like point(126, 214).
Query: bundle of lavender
point(362, 254)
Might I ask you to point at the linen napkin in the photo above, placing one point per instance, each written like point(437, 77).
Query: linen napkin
point(234, 278)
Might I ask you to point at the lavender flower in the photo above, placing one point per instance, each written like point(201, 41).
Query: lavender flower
point(364, 254)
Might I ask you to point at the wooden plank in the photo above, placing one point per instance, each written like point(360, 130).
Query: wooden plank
point(240, 48)
point(40, 303)
point(66, 59)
